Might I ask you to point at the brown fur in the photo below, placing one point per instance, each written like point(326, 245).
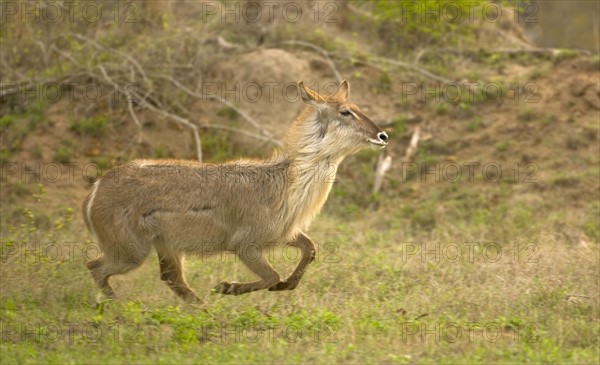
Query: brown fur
point(185, 207)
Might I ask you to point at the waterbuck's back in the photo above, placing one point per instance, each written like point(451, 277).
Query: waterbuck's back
point(186, 203)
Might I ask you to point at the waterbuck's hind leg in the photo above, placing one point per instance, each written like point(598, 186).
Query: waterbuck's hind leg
point(96, 268)
point(307, 247)
point(254, 259)
point(171, 272)
point(102, 268)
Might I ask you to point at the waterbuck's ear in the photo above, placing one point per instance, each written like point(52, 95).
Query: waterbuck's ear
point(309, 96)
point(343, 91)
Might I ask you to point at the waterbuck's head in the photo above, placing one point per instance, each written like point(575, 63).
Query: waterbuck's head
point(333, 126)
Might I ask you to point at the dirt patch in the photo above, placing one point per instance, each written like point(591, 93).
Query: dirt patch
point(264, 83)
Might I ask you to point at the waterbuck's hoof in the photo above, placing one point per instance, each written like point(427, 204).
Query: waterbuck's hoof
point(226, 288)
point(283, 285)
point(104, 297)
point(192, 298)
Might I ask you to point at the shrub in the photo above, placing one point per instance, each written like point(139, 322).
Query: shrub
point(95, 126)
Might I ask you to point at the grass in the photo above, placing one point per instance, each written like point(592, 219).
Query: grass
point(65, 152)
point(384, 83)
point(217, 148)
point(564, 54)
point(228, 113)
point(475, 125)
point(94, 126)
point(161, 151)
point(436, 281)
point(502, 146)
point(400, 125)
point(441, 108)
point(15, 127)
point(527, 114)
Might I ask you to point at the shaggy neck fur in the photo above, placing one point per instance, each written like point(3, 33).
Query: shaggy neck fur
point(312, 167)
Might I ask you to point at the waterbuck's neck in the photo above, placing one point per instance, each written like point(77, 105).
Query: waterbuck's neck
point(304, 142)
point(312, 167)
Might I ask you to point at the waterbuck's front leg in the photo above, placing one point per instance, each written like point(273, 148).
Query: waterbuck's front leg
point(171, 272)
point(253, 257)
point(307, 247)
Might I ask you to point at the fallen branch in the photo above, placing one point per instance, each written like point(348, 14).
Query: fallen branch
point(411, 150)
point(510, 51)
point(383, 166)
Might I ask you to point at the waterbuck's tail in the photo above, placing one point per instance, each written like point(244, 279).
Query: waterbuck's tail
point(87, 209)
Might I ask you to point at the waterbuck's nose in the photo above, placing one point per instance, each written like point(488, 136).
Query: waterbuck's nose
point(383, 137)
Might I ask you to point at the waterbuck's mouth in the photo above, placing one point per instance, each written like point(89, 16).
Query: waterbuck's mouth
point(377, 142)
point(382, 140)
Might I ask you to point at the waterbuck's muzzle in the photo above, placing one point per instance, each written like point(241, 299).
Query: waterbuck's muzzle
point(381, 140)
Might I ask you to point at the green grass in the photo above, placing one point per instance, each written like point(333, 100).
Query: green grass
point(565, 54)
point(527, 114)
point(441, 108)
point(502, 146)
point(384, 83)
point(161, 151)
point(475, 125)
point(400, 125)
point(94, 126)
point(65, 152)
point(395, 284)
point(15, 127)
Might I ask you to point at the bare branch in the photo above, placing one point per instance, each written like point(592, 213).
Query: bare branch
point(146, 97)
point(242, 132)
point(383, 166)
point(133, 115)
point(124, 55)
point(414, 68)
point(243, 114)
point(326, 54)
point(164, 113)
point(136, 120)
point(318, 49)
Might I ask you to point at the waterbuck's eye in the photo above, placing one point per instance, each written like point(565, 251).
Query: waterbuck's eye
point(345, 112)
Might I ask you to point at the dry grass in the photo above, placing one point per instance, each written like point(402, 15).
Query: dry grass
point(375, 294)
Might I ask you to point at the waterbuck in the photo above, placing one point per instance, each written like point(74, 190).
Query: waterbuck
point(241, 207)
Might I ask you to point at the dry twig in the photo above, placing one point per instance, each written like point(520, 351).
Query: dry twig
point(318, 49)
point(411, 150)
point(383, 166)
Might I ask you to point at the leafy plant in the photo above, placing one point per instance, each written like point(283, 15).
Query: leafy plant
point(95, 126)
point(502, 146)
point(65, 152)
point(384, 82)
point(161, 151)
point(409, 24)
point(475, 125)
point(527, 114)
